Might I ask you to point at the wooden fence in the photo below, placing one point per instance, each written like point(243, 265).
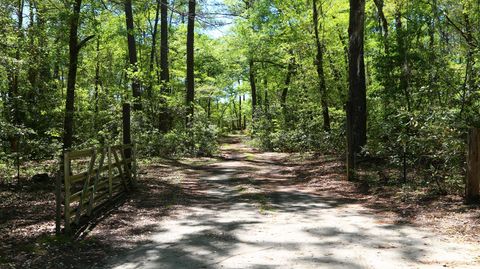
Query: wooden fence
point(91, 178)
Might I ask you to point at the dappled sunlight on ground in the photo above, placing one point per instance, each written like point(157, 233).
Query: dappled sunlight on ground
point(254, 210)
point(242, 209)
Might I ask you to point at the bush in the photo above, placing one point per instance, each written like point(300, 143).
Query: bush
point(199, 140)
point(303, 133)
point(432, 143)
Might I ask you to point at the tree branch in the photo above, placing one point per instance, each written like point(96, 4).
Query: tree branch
point(82, 43)
point(469, 38)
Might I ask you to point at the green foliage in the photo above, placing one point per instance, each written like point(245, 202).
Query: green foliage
point(304, 133)
point(436, 151)
point(423, 80)
point(199, 140)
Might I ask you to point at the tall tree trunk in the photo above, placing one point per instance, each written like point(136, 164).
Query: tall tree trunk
point(384, 23)
point(244, 116)
point(132, 53)
point(74, 47)
point(288, 80)
point(190, 81)
point(320, 71)
point(13, 94)
point(72, 75)
point(153, 48)
point(404, 83)
point(387, 82)
point(265, 98)
point(164, 73)
point(240, 112)
point(432, 74)
point(165, 118)
point(33, 77)
point(253, 87)
point(470, 78)
point(209, 108)
point(44, 72)
point(97, 85)
point(357, 101)
point(234, 122)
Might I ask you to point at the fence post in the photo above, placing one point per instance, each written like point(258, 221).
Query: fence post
point(472, 186)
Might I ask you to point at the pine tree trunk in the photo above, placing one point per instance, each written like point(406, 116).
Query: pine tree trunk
point(240, 112)
point(72, 75)
point(164, 72)
point(253, 87)
point(190, 81)
point(288, 79)
point(132, 53)
point(320, 70)
point(357, 101)
point(153, 48)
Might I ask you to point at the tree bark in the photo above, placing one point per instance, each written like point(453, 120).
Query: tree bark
point(266, 103)
point(164, 73)
point(153, 48)
point(472, 190)
point(190, 80)
point(240, 112)
point(288, 80)
point(97, 85)
point(253, 87)
point(244, 117)
point(72, 75)
point(384, 23)
point(404, 83)
point(357, 101)
point(320, 70)
point(209, 108)
point(165, 118)
point(132, 53)
point(13, 93)
point(388, 82)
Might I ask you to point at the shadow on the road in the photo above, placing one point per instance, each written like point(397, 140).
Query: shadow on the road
point(239, 184)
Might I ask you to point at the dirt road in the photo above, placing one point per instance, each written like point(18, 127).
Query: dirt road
point(249, 211)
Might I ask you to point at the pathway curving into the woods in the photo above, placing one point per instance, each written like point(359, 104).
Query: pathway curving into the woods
point(248, 209)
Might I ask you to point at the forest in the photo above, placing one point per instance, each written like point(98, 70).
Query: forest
point(389, 89)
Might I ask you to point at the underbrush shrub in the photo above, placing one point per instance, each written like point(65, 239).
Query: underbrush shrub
point(199, 140)
point(432, 144)
point(303, 132)
point(264, 128)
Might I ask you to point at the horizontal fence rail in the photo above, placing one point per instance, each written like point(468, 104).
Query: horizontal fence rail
point(91, 178)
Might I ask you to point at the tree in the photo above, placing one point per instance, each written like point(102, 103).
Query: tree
point(164, 65)
point(288, 80)
point(74, 49)
point(190, 79)
point(153, 47)
point(164, 70)
point(320, 71)
point(253, 85)
point(132, 53)
point(13, 90)
point(357, 92)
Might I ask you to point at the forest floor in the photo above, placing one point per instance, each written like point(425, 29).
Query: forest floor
point(246, 209)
